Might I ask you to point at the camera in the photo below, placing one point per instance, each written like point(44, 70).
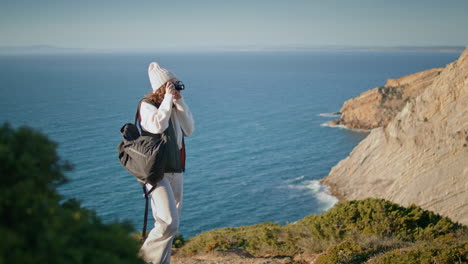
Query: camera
point(178, 85)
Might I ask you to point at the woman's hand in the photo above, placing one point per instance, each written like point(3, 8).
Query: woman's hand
point(170, 88)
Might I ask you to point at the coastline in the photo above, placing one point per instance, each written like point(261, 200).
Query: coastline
point(340, 126)
point(403, 160)
point(335, 123)
point(333, 190)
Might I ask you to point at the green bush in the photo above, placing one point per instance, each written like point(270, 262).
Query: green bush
point(428, 253)
point(264, 239)
point(358, 249)
point(377, 217)
point(368, 227)
point(345, 252)
point(179, 241)
point(36, 225)
point(450, 249)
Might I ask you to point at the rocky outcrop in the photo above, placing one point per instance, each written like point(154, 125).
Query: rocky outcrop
point(421, 156)
point(378, 106)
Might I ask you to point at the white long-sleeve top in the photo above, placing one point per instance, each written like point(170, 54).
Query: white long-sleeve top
point(156, 120)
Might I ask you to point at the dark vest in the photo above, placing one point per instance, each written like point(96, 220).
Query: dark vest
point(175, 162)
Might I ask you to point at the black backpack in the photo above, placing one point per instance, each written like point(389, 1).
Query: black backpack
point(144, 156)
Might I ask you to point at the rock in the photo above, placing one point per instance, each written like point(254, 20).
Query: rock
point(378, 106)
point(421, 156)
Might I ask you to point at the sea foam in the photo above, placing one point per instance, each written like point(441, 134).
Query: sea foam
point(320, 191)
point(327, 124)
point(335, 114)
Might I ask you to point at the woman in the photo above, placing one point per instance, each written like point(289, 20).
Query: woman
point(164, 110)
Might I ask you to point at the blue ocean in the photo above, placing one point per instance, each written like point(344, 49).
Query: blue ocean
point(259, 148)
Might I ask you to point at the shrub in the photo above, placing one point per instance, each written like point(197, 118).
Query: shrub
point(377, 217)
point(368, 227)
point(266, 239)
point(345, 252)
point(429, 253)
point(359, 249)
point(179, 241)
point(36, 226)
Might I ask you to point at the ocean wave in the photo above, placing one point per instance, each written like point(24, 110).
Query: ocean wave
point(334, 114)
point(295, 179)
point(327, 124)
point(320, 191)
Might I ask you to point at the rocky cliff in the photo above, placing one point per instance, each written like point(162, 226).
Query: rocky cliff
point(421, 156)
point(378, 106)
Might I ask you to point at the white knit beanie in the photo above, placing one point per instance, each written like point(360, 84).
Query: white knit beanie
point(158, 75)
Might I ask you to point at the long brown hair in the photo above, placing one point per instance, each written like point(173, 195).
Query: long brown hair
point(157, 96)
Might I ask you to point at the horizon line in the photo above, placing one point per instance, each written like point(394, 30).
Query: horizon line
point(52, 49)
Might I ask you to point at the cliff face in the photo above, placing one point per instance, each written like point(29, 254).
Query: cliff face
point(421, 157)
point(378, 106)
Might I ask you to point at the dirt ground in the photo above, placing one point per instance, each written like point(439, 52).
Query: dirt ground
point(232, 257)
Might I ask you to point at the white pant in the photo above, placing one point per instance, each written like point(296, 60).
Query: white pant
point(166, 204)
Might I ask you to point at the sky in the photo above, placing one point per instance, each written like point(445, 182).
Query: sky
point(239, 24)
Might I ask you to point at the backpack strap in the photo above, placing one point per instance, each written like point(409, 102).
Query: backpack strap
point(145, 191)
point(137, 113)
point(145, 221)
